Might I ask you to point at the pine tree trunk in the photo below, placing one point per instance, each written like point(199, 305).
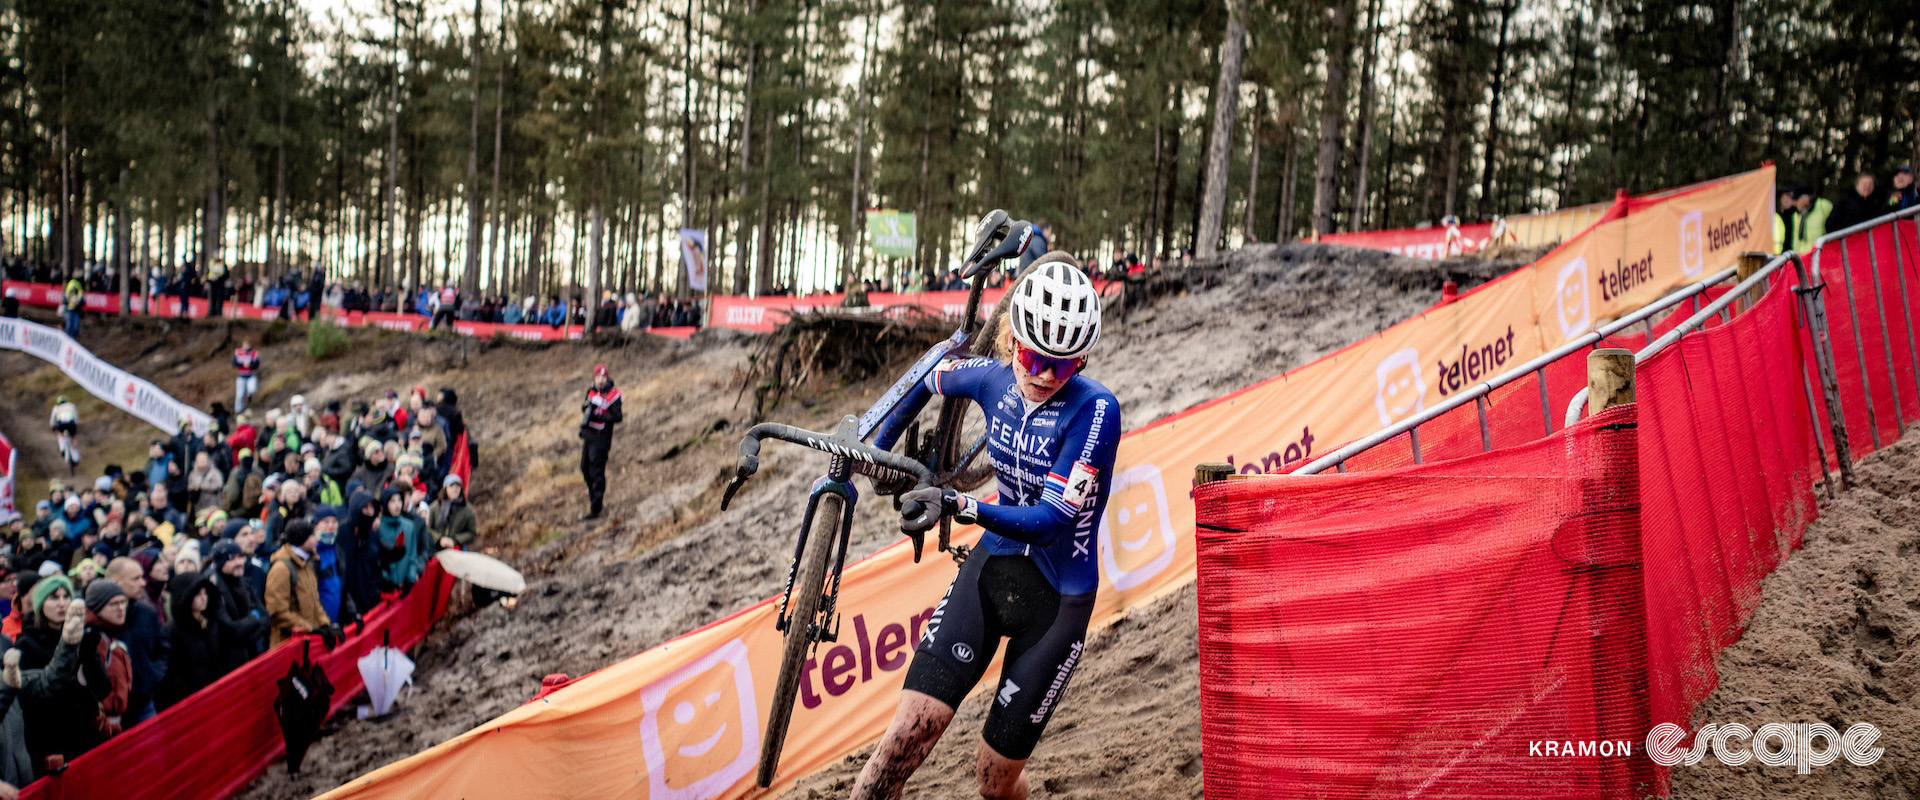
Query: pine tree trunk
point(1333, 117)
point(1220, 142)
point(1253, 165)
point(122, 233)
point(1493, 112)
point(591, 307)
point(1288, 186)
point(278, 212)
point(1361, 198)
point(470, 282)
point(741, 269)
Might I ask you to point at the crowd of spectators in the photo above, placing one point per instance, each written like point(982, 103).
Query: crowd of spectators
point(1800, 217)
point(123, 595)
point(291, 295)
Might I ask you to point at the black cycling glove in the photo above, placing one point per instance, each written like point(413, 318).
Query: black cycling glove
point(922, 508)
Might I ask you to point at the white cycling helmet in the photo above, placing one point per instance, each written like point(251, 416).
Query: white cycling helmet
point(1055, 311)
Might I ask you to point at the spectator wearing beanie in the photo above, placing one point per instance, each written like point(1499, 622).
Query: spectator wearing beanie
point(373, 472)
point(144, 633)
point(321, 490)
point(338, 462)
point(453, 522)
point(107, 607)
point(293, 590)
point(63, 720)
point(327, 565)
point(240, 622)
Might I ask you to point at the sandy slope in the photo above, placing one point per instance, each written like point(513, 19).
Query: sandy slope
point(1833, 640)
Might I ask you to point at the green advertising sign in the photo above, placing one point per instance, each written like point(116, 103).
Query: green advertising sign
point(892, 232)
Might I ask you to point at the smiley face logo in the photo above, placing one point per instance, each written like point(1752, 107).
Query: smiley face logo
point(1400, 391)
point(1693, 256)
point(1137, 540)
point(700, 732)
point(1576, 310)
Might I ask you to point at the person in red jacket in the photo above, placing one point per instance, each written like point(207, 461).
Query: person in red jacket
point(245, 436)
point(600, 412)
point(246, 363)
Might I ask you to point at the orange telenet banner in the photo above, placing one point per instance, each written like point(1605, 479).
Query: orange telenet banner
point(683, 720)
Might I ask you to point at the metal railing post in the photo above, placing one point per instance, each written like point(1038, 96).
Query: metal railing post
point(1859, 342)
point(1815, 308)
point(1546, 406)
point(1806, 390)
point(1413, 434)
point(1486, 434)
point(1906, 302)
point(1886, 331)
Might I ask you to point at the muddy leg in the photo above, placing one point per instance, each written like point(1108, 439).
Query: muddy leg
point(1001, 778)
point(917, 725)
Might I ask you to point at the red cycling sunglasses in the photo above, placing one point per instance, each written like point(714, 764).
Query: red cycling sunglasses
point(1034, 363)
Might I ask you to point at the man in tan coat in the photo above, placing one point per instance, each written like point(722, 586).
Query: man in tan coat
point(293, 591)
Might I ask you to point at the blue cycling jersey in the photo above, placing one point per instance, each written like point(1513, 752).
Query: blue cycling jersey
point(1054, 462)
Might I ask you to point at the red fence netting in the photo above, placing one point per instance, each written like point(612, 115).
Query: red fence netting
point(217, 741)
point(1420, 631)
point(1727, 468)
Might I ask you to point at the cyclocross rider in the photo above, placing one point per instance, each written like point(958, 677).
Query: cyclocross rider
point(65, 422)
point(1052, 436)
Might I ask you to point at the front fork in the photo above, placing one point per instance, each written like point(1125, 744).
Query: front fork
point(838, 480)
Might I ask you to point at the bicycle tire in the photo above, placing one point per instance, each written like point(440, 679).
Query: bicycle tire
point(808, 585)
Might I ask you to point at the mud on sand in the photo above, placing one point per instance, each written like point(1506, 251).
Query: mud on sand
point(1834, 640)
point(667, 562)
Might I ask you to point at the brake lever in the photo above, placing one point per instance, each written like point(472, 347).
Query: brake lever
point(912, 509)
point(748, 466)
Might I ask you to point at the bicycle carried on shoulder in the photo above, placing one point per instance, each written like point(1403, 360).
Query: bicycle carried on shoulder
point(808, 612)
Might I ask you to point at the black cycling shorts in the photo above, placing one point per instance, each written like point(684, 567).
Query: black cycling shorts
point(994, 597)
point(66, 427)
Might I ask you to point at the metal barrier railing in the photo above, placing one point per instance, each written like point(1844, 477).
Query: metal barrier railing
point(1853, 310)
point(1477, 394)
point(1813, 308)
point(1812, 311)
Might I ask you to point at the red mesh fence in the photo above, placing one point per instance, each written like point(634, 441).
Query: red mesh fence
point(1873, 362)
point(1727, 469)
point(1425, 630)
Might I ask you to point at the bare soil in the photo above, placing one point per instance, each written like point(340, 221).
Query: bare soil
point(1833, 640)
point(666, 561)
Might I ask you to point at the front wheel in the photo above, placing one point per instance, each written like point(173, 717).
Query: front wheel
point(809, 585)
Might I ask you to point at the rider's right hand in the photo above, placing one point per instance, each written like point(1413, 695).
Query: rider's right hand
point(922, 508)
